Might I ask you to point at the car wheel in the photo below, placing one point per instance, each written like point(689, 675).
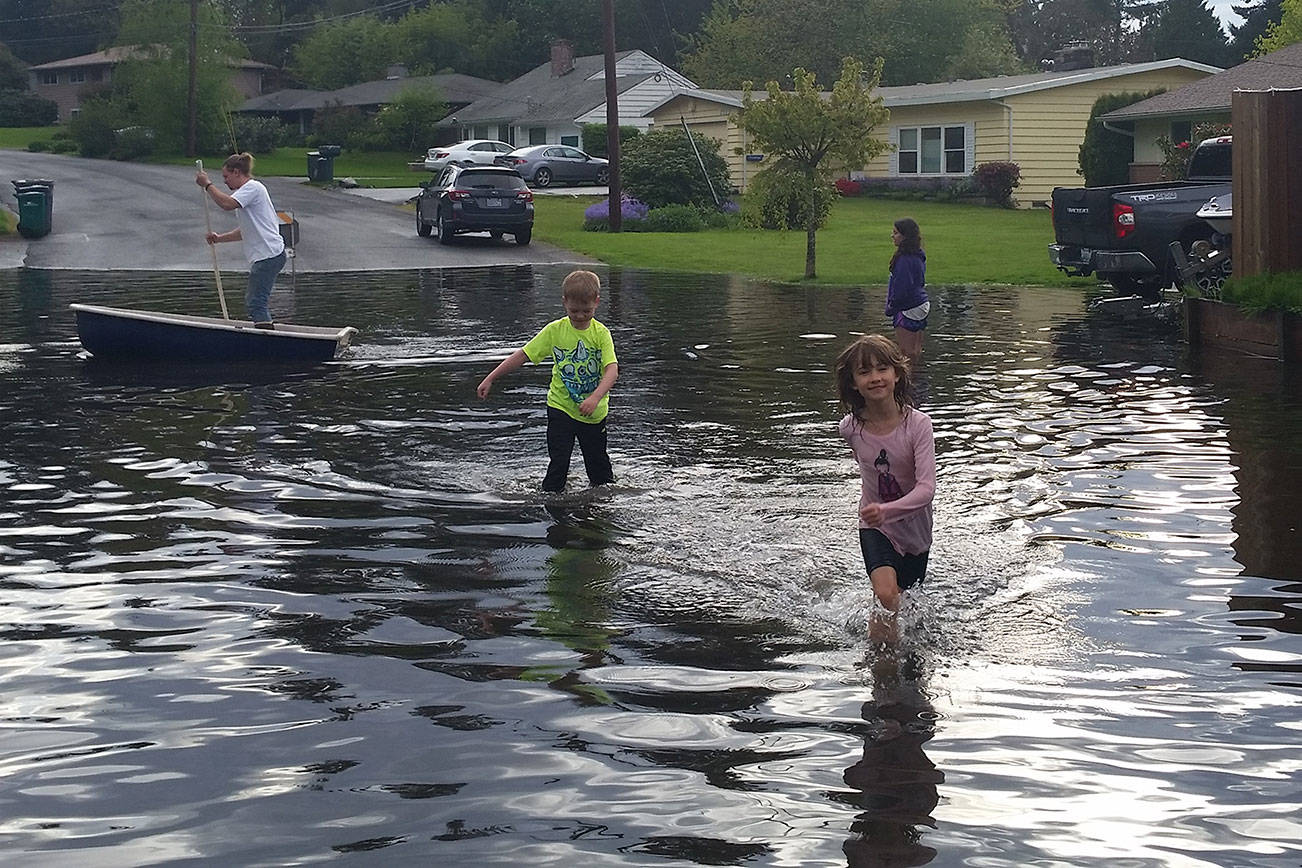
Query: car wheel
point(603, 177)
point(542, 177)
point(445, 234)
point(423, 229)
point(522, 236)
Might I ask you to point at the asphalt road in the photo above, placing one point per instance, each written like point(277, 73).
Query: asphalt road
point(130, 216)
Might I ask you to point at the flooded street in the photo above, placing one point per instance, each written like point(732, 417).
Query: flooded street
point(269, 617)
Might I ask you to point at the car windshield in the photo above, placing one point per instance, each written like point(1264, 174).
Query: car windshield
point(491, 181)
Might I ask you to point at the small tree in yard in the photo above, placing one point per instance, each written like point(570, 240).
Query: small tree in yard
point(813, 134)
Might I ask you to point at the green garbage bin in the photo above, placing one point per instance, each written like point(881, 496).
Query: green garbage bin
point(320, 167)
point(35, 207)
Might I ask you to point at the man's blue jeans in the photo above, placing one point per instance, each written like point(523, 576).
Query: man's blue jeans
point(262, 279)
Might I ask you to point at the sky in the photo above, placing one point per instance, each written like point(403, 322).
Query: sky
point(1225, 13)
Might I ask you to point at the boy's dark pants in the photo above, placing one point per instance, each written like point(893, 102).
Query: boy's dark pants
point(562, 429)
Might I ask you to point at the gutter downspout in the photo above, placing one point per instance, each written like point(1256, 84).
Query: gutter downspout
point(1107, 125)
point(1008, 110)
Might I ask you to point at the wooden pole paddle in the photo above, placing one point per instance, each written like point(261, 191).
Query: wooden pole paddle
point(217, 272)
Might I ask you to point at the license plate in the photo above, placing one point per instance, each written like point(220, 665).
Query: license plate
point(492, 203)
point(1085, 254)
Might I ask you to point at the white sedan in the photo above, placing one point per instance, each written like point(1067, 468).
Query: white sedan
point(467, 153)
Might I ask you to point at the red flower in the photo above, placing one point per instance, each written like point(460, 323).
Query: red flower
point(1183, 146)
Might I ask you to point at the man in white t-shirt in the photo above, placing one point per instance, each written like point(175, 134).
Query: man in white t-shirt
point(259, 229)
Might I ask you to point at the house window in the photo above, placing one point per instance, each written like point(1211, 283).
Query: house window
point(933, 150)
point(480, 132)
point(572, 141)
point(49, 78)
point(537, 135)
point(505, 133)
point(76, 76)
point(1181, 131)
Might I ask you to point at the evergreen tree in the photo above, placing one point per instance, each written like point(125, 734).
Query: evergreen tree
point(1257, 16)
point(1189, 29)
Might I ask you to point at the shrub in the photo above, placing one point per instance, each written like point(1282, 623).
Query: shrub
point(594, 138)
point(92, 128)
point(661, 168)
point(779, 198)
point(848, 187)
point(19, 108)
point(338, 124)
point(997, 180)
point(674, 218)
point(1104, 154)
point(257, 135)
point(39, 146)
point(914, 189)
point(1176, 155)
point(596, 218)
point(130, 143)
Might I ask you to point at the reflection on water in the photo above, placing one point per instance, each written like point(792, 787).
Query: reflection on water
point(256, 616)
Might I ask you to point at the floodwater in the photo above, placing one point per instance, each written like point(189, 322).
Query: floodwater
point(262, 617)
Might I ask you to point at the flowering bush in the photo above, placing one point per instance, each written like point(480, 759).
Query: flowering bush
point(1176, 155)
point(997, 180)
point(848, 187)
point(596, 217)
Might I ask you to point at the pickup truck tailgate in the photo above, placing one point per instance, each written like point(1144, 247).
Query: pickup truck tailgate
point(1083, 216)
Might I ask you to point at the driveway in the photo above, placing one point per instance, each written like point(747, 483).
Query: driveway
point(131, 216)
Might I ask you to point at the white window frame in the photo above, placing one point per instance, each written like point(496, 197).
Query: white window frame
point(49, 77)
point(966, 150)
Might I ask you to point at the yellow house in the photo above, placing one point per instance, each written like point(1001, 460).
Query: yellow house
point(946, 129)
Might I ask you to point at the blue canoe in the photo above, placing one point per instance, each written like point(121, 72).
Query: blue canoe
point(117, 333)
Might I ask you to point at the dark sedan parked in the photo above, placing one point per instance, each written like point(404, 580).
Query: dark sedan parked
point(476, 199)
point(544, 165)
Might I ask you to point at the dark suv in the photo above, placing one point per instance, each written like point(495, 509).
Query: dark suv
point(489, 199)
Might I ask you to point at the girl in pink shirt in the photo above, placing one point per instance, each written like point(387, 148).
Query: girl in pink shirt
point(894, 446)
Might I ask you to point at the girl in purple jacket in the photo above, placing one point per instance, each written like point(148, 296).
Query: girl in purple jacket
point(906, 299)
point(895, 449)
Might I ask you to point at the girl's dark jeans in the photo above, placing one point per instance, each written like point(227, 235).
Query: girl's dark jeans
point(562, 430)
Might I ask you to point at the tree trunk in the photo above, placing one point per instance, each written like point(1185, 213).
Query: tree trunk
point(809, 249)
point(812, 228)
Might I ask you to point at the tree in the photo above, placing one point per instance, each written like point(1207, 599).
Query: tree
point(13, 72)
point(1188, 29)
point(345, 52)
point(1286, 32)
point(1105, 155)
point(806, 130)
point(410, 122)
point(152, 84)
point(920, 40)
point(1041, 27)
point(1258, 15)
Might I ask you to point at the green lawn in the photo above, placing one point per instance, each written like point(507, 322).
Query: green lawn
point(965, 244)
point(18, 138)
point(368, 168)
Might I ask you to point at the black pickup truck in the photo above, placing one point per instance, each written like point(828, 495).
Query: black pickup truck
point(1123, 233)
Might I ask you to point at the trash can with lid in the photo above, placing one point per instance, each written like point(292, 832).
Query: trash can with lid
point(35, 199)
point(320, 168)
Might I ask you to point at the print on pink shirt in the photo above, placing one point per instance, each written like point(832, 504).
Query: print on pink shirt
point(888, 487)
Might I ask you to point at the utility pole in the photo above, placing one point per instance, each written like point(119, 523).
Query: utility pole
point(612, 118)
point(192, 107)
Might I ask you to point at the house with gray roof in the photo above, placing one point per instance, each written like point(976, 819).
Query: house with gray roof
point(550, 103)
point(296, 106)
point(946, 129)
point(1176, 112)
point(65, 81)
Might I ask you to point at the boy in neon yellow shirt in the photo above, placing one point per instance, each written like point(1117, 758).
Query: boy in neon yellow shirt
point(584, 369)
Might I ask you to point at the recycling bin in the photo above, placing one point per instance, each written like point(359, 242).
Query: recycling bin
point(35, 199)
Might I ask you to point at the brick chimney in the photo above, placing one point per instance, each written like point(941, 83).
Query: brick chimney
point(562, 57)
